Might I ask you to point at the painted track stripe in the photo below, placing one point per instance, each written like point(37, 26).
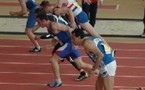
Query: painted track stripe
point(42, 73)
point(38, 54)
point(70, 85)
point(13, 46)
point(62, 64)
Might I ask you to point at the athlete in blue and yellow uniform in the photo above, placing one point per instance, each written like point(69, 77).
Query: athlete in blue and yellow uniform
point(29, 5)
point(100, 53)
point(62, 34)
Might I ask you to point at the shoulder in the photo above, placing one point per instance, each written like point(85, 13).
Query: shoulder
point(88, 43)
point(55, 25)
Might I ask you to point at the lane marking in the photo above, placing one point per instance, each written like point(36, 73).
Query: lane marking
point(109, 6)
point(40, 54)
point(29, 54)
point(42, 73)
point(108, 42)
point(130, 49)
point(84, 56)
point(15, 46)
point(62, 64)
point(117, 6)
point(64, 85)
point(11, 46)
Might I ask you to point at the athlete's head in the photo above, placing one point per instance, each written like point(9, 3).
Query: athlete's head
point(41, 14)
point(50, 16)
point(77, 36)
point(78, 33)
point(46, 6)
point(41, 17)
point(44, 3)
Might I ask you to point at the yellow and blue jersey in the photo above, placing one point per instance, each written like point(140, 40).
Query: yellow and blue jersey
point(105, 49)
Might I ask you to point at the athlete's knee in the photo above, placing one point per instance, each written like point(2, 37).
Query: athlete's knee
point(28, 30)
point(51, 60)
point(54, 59)
point(81, 65)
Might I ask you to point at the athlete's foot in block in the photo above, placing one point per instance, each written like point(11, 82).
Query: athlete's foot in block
point(55, 84)
point(35, 50)
point(83, 75)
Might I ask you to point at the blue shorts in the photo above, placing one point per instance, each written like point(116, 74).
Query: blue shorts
point(67, 50)
point(82, 17)
point(31, 18)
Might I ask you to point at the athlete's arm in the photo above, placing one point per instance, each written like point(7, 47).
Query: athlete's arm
point(91, 47)
point(64, 10)
point(60, 27)
point(23, 10)
point(72, 19)
point(36, 27)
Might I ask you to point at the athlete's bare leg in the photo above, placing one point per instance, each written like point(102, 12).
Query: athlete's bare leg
point(99, 83)
point(108, 82)
point(105, 83)
point(55, 66)
point(31, 36)
point(88, 27)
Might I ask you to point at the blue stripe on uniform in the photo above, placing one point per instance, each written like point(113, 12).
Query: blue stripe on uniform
point(74, 9)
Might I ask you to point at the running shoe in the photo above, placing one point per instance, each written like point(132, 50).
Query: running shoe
point(83, 75)
point(35, 50)
point(55, 84)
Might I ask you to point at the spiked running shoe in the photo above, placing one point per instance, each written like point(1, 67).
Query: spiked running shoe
point(54, 84)
point(35, 50)
point(82, 76)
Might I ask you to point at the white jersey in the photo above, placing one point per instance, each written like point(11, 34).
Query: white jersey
point(73, 5)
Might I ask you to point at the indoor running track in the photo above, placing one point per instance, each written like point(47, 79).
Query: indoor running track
point(21, 70)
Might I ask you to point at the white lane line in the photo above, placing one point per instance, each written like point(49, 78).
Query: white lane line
point(130, 49)
point(15, 46)
point(138, 67)
point(48, 40)
point(4, 46)
point(64, 85)
point(30, 54)
point(39, 54)
point(133, 58)
point(42, 73)
point(117, 6)
point(10, 46)
point(29, 84)
point(26, 63)
point(35, 73)
point(66, 64)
